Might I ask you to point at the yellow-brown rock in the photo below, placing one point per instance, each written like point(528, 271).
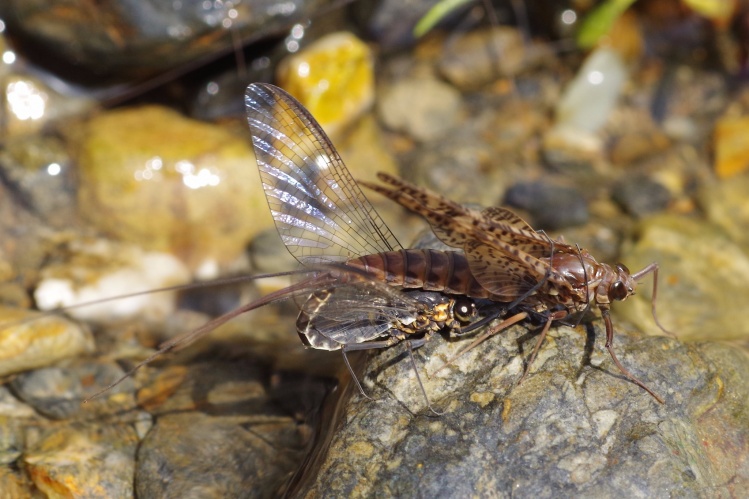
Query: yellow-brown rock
point(153, 177)
point(731, 151)
point(28, 341)
point(333, 78)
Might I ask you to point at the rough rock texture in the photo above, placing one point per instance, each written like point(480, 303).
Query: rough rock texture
point(574, 427)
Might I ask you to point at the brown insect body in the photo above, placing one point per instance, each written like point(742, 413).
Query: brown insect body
point(324, 218)
point(514, 262)
point(430, 270)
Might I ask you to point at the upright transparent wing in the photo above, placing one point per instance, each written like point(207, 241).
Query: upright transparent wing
point(320, 212)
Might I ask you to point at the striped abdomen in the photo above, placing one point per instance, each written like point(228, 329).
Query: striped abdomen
point(430, 270)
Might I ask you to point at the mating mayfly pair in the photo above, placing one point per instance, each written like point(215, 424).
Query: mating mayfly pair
point(373, 293)
point(361, 290)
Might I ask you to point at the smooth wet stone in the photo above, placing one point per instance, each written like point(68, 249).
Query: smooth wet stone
point(731, 153)
point(199, 455)
point(29, 104)
point(167, 183)
point(84, 459)
point(149, 37)
point(218, 434)
point(39, 170)
point(94, 269)
point(12, 439)
point(15, 485)
point(574, 427)
point(640, 195)
point(422, 107)
point(587, 101)
point(702, 280)
point(481, 56)
point(59, 392)
point(637, 144)
point(551, 206)
point(333, 78)
point(725, 205)
point(29, 340)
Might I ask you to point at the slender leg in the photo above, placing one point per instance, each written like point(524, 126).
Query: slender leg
point(609, 347)
point(353, 375)
point(364, 346)
point(418, 378)
point(653, 267)
point(539, 342)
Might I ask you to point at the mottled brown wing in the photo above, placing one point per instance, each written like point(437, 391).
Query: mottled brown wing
point(441, 213)
point(319, 210)
point(503, 255)
point(496, 271)
point(503, 215)
point(454, 224)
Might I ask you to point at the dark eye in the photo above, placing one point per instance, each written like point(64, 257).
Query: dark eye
point(464, 309)
point(622, 268)
point(618, 291)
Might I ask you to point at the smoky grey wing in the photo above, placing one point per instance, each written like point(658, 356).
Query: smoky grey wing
point(319, 210)
point(355, 313)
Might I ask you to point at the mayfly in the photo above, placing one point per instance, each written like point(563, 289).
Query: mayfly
point(323, 217)
point(517, 264)
point(360, 289)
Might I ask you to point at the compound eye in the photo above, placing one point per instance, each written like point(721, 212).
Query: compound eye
point(618, 291)
point(464, 309)
point(622, 268)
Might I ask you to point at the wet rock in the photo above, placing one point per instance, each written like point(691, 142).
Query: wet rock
point(731, 137)
point(83, 460)
point(90, 270)
point(148, 38)
point(11, 439)
point(691, 100)
point(167, 183)
point(391, 22)
point(59, 392)
point(571, 150)
point(12, 407)
point(588, 99)
point(640, 195)
point(38, 168)
point(238, 441)
point(28, 105)
point(481, 56)
point(423, 108)
point(725, 205)
point(198, 455)
point(15, 485)
point(28, 340)
point(636, 145)
point(702, 279)
point(551, 206)
point(333, 78)
point(574, 426)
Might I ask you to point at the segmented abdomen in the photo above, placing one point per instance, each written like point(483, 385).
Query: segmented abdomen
point(430, 270)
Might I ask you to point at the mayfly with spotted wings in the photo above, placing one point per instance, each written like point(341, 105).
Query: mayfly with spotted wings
point(322, 216)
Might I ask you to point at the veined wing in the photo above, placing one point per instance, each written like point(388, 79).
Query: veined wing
point(319, 210)
point(358, 312)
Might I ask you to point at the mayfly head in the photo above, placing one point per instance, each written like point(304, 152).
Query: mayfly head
point(624, 286)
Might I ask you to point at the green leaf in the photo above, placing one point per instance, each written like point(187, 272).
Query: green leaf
point(600, 20)
point(435, 15)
